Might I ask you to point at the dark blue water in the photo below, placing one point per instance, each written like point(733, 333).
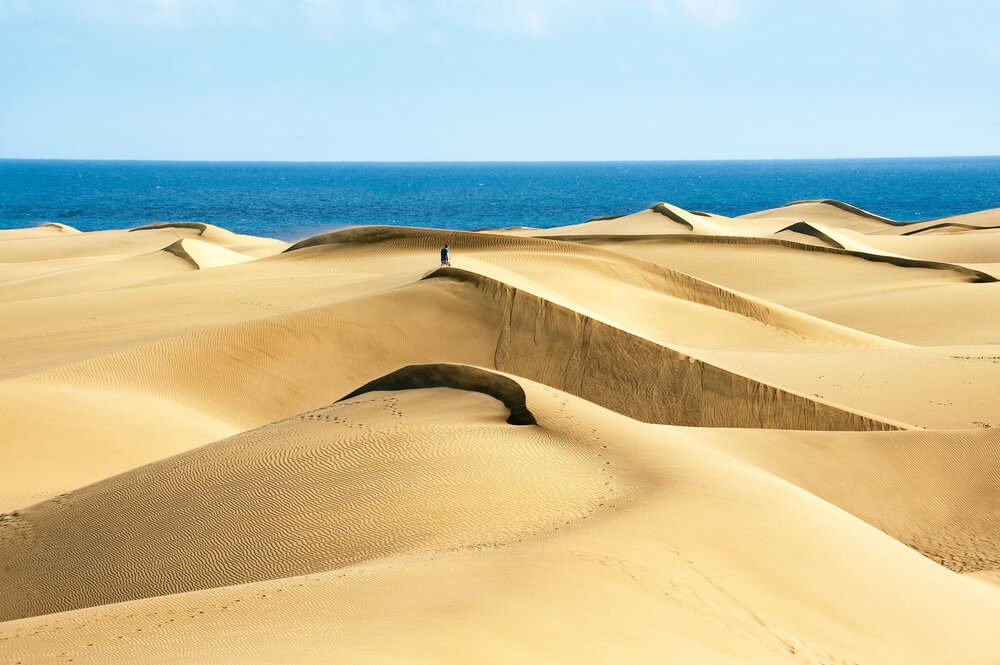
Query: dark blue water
point(295, 200)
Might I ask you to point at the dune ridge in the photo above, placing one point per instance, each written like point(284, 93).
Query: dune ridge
point(673, 214)
point(649, 276)
point(973, 275)
point(200, 227)
point(65, 228)
point(442, 375)
point(204, 255)
point(948, 226)
point(846, 207)
point(836, 239)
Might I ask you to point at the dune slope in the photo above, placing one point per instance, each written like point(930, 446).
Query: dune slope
point(365, 478)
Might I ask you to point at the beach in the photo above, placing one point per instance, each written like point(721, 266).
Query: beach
point(668, 436)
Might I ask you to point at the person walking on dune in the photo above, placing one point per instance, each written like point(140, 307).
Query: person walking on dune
point(445, 255)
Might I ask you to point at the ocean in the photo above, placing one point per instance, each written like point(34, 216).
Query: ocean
point(295, 200)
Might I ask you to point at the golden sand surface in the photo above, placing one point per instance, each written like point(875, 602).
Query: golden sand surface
point(666, 437)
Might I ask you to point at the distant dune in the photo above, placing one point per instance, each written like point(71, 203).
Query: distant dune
point(665, 436)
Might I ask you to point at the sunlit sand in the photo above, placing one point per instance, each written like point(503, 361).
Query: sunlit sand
point(669, 436)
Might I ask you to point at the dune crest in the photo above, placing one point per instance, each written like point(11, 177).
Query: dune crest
point(672, 213)
point(846, 207)
point(205, 255)
point(948, 227)
point(65, 228)
point(701, 223)
point(200, 227)
point(868, 254)
point(459, 377)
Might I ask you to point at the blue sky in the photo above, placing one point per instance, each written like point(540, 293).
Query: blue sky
point(386, 80)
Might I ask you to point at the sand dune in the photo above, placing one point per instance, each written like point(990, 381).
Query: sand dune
point(250, 508)
point(213, 235)
point(834, 213)
point(65, 228)
point(904, 300)
point(205, 255)
point(661, 218)
point(983, 219)
point(971, 239)
point(967, 247)
point(840, 239)
point(946, 227)
point(661, 437)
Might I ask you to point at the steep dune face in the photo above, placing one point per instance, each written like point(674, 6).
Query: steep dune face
point(601, 363)
point(662, 437)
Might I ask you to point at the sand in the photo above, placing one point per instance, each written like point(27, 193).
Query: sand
point(669, 436)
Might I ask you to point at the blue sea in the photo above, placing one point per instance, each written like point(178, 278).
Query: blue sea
point(295, 200)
